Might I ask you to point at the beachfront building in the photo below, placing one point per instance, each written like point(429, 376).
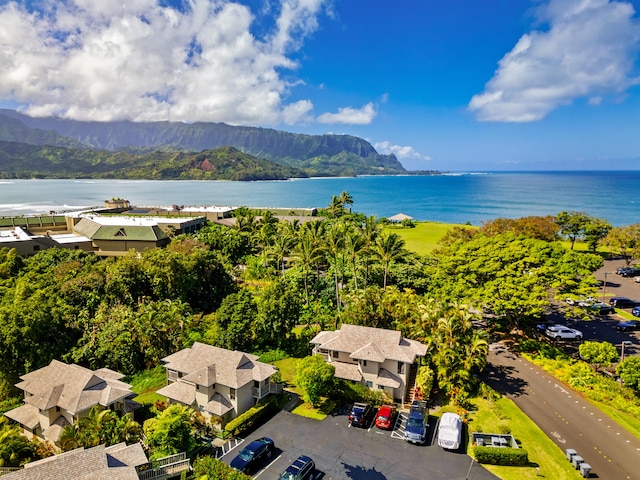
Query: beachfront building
point(378, 358)
point(217, 382)
point(59, 394)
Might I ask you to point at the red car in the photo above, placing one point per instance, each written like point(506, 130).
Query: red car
point(386, 417)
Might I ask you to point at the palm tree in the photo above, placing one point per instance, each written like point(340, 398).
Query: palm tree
point(346, 198)
point(280, 250)
point(369, 230)
point(306, 253)
point(333, 246)
point(14, 448)
point(353, 245)
point(336, 207)
point(389, 247)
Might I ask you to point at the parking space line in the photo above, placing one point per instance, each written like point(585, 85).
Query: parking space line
point(266, 467)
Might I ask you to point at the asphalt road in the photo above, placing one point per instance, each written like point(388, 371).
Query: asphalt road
point(565, 417)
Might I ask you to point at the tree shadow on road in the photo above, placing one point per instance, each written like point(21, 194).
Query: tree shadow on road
point(501, 379)
point(362, 473)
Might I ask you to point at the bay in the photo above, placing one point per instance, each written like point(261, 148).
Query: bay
point(450, 198)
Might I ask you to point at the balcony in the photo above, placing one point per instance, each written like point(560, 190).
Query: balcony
point(261, 392)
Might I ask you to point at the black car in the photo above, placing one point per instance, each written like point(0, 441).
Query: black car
point(301, 469)
point(628, 325)
point(623, 302)
point(252, 457)
point(602, 308)
point(628, 271)
point(361, 415)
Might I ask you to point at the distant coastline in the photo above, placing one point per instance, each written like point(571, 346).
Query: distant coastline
point(473, 197)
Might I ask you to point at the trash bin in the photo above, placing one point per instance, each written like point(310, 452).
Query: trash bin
point(570, 453)
point(576, 461)
point(585, 470)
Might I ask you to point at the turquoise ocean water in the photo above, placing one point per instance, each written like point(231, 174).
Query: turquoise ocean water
point(451, 198)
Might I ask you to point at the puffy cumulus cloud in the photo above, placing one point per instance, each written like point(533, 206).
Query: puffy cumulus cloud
point(145, 61)
point(351, 116)
point(403, 153)
point(588, 50)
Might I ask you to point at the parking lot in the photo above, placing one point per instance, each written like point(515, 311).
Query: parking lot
point(344, 452)
point(602, 328)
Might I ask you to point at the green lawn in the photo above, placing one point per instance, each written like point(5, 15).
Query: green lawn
point(546, 460)
point(424, 237)
point(146, 383)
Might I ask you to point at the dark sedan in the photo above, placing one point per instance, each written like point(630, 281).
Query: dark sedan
point(252, 457)
point(361, 415)
point(628, 325)
point(623, 302)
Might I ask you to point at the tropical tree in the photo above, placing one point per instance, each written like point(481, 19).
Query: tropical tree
point(624, 241)
point(307, 254)
point(389, 248)
point(315, 377)
point(333, 248)
point(170, 432)
point(15, 449)
point(101, 426)
point(598, 354)
point(572, 224)
point(210, 468)
point(234, 321)
point(629, 372)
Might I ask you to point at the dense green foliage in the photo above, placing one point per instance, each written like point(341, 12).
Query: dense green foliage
point(170, 432)
point(598, 354)
point(501, 456)
point(100, 427)
point(629, 372)
point(317, 155)
point(15, 449)
point(20, 160)
point(316, 377)
point(209, 468)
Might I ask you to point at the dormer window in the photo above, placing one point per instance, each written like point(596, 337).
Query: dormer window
point(121, 233)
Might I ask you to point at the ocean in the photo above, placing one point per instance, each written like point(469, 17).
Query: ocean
point(451, 198)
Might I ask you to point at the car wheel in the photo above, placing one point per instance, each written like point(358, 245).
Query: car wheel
point(579, 337)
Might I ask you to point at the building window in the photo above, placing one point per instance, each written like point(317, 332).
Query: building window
point(380, 387)
point(232, 393)
point(335, 354)
point(401, 368)
point(369, 384)
point(364, 363)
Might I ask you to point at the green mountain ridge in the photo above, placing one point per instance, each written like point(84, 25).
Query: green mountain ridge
point(20, 160)
point(318, 155)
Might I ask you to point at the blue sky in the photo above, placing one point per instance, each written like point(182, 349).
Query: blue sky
point(456, 85)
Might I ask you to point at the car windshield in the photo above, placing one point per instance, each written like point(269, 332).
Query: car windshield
point(287, 476)
point(246, 454)
point(382, 418)
point(414, 422)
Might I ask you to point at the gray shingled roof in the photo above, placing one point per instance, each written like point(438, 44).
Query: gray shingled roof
point(232, 368)
point(26, 415)
point(72, 387)
point(179, 391)
point(367, 343)
point(118, 462)
point(347, 371)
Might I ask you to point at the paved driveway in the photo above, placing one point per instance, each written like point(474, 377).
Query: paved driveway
point(565, 417)
point(343, 452)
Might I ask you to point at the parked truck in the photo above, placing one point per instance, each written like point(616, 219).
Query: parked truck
point(416, 429)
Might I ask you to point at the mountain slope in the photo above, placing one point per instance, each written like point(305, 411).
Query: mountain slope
point(317, 154)
point(20, 160)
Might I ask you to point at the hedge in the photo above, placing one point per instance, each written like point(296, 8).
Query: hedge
point(246, 420)
point(501, 455)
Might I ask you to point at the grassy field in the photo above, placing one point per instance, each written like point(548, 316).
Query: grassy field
point(424, 237)
point(546, 460)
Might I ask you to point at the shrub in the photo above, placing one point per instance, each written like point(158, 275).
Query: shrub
point(245, 421)
point(501, 456)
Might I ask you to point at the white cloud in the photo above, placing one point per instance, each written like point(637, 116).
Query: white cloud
point(350, 115)
point(587, 51)
point(403, 153)
point(139, 60)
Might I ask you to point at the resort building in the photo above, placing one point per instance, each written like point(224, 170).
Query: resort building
point(217, 382)
point(378, 358)
point(59, 394)
point(117, 462)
